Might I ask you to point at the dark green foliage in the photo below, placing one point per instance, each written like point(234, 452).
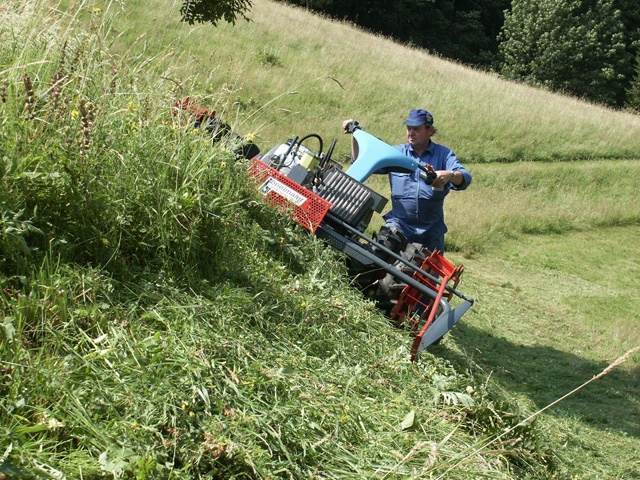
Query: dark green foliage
point(633, 94)
point(463, 30)
point(631, 19)
point(202, 11)
point(572, 46)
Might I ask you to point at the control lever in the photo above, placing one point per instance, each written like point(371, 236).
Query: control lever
point(428, 174)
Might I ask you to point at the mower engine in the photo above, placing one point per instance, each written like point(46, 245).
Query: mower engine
point(350, 200)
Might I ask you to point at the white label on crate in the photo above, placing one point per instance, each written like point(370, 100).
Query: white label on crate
point(273, 185)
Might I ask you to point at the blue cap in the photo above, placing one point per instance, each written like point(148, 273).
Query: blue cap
point(419, 117)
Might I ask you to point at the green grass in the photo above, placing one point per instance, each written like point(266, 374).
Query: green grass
point(571, 308)
point(509, 200)
point(159, 321)
point(327, 71)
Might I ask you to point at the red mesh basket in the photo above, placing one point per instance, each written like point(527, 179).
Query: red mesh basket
point(304, 206)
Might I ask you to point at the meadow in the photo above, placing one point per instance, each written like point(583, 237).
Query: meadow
point(310, 73)
point(159, 321)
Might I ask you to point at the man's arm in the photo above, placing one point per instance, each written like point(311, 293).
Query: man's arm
point(456, 173)
point(445, 176)
point(354, 144)
point(456, 177)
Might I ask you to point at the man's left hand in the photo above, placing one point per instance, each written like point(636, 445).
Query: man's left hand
point(443, 177)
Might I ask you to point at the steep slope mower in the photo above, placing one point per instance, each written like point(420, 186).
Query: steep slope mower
point(414, 286)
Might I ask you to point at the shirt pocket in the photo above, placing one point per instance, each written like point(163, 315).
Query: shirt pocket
point(436, 194)
point(402, 185)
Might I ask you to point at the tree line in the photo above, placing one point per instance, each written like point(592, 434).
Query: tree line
point(586, 48)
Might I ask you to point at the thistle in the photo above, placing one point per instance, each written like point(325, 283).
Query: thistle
point(3, 90)
point(30, 101)
point(114, 75)
point(55, 95)
point(87, 117)
point(57, 79)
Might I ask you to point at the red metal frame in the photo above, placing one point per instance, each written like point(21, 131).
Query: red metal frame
point(304, 206)
point(198, 113)
point(417, 311)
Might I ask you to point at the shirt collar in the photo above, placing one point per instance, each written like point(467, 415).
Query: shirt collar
point(429, 149)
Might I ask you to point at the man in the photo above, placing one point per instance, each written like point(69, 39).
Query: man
point(417, 208)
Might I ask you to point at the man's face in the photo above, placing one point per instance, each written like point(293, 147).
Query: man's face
point(419, 136)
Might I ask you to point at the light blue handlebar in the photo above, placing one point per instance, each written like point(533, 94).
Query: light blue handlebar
point(374, 155)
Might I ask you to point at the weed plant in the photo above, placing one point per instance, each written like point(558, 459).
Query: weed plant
point(159, 321)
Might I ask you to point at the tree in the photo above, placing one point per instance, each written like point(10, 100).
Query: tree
point(633, 94)
point(579, 47)
point(464, 30)
point(202, 11)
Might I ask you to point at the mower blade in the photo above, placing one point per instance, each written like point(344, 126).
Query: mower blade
point(442, 325)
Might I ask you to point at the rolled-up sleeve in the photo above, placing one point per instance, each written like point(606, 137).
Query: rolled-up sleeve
point(454, 164)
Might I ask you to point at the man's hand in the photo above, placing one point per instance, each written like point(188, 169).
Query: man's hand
point(347, 127)
point(346, 124)
point(443, 177)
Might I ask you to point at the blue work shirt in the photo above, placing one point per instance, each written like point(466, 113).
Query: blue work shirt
point(416, 208)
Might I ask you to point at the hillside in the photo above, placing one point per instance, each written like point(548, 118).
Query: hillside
point(160, 321)
point(293, 71)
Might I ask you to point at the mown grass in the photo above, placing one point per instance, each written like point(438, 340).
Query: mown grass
point(554, 311)
point(160, 322)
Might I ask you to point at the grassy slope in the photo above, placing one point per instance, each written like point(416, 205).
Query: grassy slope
point(483, 118)
point(508, 200)
point(546, 339)
point(338, 72)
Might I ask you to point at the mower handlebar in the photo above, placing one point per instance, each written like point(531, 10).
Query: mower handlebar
point(428, 174)
point(353, 126)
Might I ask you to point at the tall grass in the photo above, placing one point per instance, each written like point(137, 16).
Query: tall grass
point(507, 201)
point(159, 321)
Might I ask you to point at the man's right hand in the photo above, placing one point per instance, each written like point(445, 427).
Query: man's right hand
point(347, 127)
point(346, 124)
